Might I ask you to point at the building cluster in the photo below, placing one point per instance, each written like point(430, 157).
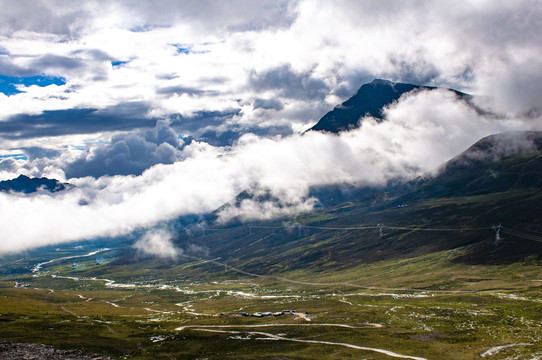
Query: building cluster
point(267, 313)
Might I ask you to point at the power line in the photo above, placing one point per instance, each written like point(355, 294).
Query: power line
point(342, 228)
point(216, 229)
point(267, 227)
point(379, 226)
point(532, 232)
point(415, 228)
point(522, 234)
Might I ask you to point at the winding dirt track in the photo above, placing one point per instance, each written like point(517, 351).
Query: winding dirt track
point(268, 336)
point(365, 326)
point(68, 311)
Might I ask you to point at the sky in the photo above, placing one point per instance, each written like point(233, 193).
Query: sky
point(155, 110)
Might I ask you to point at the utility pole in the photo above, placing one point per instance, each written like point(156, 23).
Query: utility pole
point(381, 232)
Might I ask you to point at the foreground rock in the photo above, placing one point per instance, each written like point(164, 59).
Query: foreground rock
point(10, 350)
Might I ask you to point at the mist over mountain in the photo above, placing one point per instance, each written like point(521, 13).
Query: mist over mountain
point(496, 163)
point(370, 100)
point(495, 181)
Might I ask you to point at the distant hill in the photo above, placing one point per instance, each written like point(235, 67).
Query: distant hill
point(26, 185)
point(370, 100)
point(496, 163)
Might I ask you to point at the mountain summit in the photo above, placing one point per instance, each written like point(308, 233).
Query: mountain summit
point(26, 185)
point(370, 100)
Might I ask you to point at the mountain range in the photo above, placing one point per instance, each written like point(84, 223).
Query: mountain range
point(470, 194)
point(495, 181)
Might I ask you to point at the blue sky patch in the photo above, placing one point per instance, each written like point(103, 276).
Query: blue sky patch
point(20, 156)
point(187, 49)
point(182, 49)
point(8, 83)
point(117, 64)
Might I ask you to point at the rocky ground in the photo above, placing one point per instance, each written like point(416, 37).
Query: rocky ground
point(19, 351)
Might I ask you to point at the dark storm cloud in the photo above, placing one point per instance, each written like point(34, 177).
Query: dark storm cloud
point(133, 152)
point(66, 18)
point(221, 138)
point(201, 120)
point(35, 152)
point(7, 67)
point(170, 90)
point(95, 54)
point(225, 15)
point(203, 125)
point(129, 153)
point(229, 137)
point(271, 131)
point(349, 82)
point(54, 17)
point(8, 164)
point(122, 117)
point(289, 83)
point(208, 126)
point(50, 61)
point(52, 64)
point(417, 71)
point(268, 104)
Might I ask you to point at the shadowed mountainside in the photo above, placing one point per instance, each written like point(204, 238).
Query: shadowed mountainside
point(496, 181)
point(26, 185)
point(370, 100)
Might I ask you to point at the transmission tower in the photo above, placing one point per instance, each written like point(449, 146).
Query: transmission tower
point(497, 230)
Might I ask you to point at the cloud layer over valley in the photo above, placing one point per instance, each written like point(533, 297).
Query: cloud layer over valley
point(412, 140)
point(155, 112)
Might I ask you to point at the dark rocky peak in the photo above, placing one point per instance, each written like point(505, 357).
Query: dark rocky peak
point(26, 185)
point(370, 100)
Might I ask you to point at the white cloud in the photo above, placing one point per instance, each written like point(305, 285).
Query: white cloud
point(489, 48)
point(422, 131)
point(157, 242)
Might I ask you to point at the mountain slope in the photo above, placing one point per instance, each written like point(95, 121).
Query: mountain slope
point(450, 216)
point(474, 191)
point(496, 163)
point(370, 100)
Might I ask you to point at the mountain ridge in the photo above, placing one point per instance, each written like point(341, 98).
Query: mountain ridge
point(369, 100)
point(458, 197)
point(26, 185)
